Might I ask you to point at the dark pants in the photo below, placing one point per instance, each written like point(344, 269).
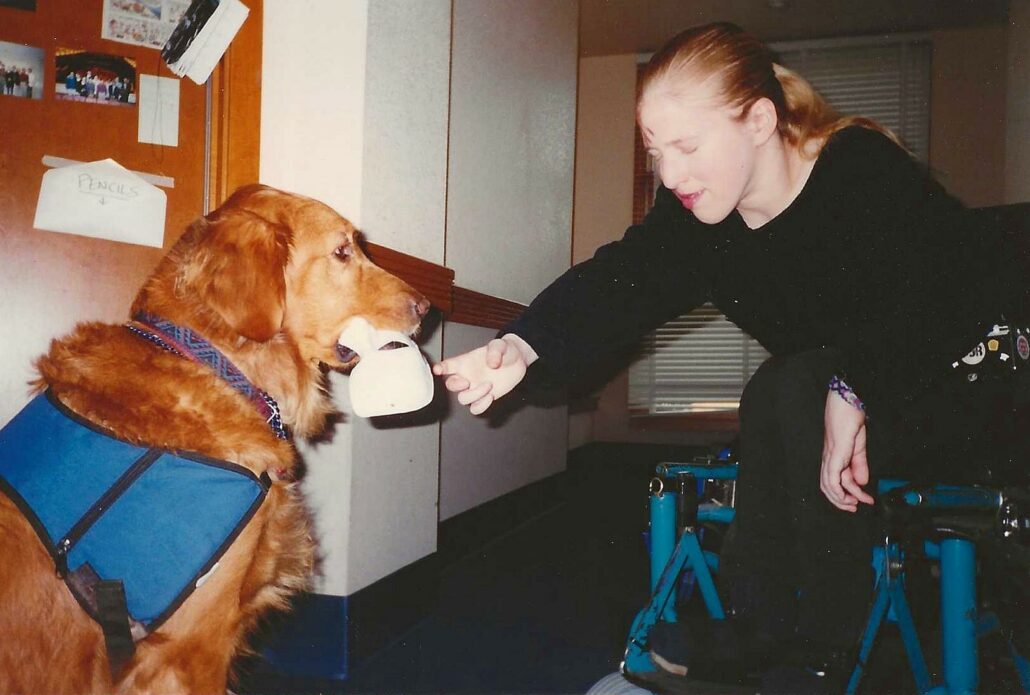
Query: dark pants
point(788, 543)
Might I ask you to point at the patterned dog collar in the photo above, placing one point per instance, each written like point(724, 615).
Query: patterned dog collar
point(186, 343)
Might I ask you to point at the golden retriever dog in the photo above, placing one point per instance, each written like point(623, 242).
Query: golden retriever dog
point(269, 279)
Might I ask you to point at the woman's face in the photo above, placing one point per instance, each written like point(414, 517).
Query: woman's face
point(705, 153)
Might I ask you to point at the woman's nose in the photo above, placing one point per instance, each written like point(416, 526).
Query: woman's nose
point(672, 172)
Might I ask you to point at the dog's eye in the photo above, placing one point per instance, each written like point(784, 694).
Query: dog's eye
point(344, 252)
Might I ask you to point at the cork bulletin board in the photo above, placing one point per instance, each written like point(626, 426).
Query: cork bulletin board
point(50, 281)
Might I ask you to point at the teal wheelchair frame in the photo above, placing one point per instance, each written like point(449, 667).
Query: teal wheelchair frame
point(676, 493)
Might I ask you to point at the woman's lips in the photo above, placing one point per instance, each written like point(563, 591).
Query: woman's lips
point(689, 200)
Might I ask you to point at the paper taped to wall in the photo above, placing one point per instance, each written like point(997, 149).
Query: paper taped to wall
point(155, 179)
point(103, 200)
point(158, 110)
point(201, 37)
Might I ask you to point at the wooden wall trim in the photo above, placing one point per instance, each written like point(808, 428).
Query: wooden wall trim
point(478, 309)
point(434, 281)
point(235, 155)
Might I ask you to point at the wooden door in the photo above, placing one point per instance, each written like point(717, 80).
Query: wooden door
point(51, 281)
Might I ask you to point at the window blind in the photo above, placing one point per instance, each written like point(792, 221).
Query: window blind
point(700, 362)
point(885, 79)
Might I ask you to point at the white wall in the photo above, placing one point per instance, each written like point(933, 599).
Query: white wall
point(346, 119)
point(406, 110)
point(509, 217)
point(312, 140)
point(445, 131)
point(513, 115)
point(395, 479)
point(484, 457)
point(313, 100)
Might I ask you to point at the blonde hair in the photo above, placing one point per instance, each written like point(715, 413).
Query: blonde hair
point(747, 71)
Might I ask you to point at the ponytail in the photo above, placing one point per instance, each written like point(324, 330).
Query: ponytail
point(807, 119)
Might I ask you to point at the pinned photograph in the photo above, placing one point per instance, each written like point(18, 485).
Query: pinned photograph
point(21, 71)
point(96, 78)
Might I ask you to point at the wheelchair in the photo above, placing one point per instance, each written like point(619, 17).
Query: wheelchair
point(974, 536)
point(973, 539)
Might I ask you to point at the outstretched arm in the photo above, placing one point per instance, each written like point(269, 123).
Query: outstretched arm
point(654, 273)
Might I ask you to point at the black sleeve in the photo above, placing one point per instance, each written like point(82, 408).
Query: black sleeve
point(921, 277)
point(629, 287)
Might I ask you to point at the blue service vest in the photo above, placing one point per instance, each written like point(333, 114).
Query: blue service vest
point(156, 520)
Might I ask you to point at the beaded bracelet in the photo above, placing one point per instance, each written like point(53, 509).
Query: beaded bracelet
point(838, 386)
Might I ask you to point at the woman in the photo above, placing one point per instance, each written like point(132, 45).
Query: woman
point(827, 242)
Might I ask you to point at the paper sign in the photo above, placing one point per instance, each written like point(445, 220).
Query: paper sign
point(155, 179)
point(158, 110)
point(103, 200)
point(202, 36)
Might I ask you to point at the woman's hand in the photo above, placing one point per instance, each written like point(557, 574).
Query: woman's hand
point(483, 375)
point(845, 468)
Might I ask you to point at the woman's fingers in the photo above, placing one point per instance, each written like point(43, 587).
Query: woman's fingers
point(847, 483)
point(480, 406)
point(495, 350)
point(858, 469)
point(829, 479)
point(471, 395)
point(830, 476)
point(456, 382)
point(854, 488)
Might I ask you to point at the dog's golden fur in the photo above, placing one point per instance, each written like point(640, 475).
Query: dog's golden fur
point(270, 279)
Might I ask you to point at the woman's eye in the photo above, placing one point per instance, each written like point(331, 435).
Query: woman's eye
point(343, 252)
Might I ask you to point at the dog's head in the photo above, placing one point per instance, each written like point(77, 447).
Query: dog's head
point(270, 267)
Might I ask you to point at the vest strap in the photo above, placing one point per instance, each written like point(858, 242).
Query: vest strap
point(113, 616)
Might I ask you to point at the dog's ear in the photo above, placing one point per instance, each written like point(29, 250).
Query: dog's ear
point(237, 269)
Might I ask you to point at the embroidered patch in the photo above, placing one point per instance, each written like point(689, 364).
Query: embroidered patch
point(1023, 347)
point(976, 355)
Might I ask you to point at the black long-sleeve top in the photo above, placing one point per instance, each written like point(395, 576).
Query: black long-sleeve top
point(873, 257)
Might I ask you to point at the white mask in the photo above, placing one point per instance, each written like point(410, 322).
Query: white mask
point(386, 382)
